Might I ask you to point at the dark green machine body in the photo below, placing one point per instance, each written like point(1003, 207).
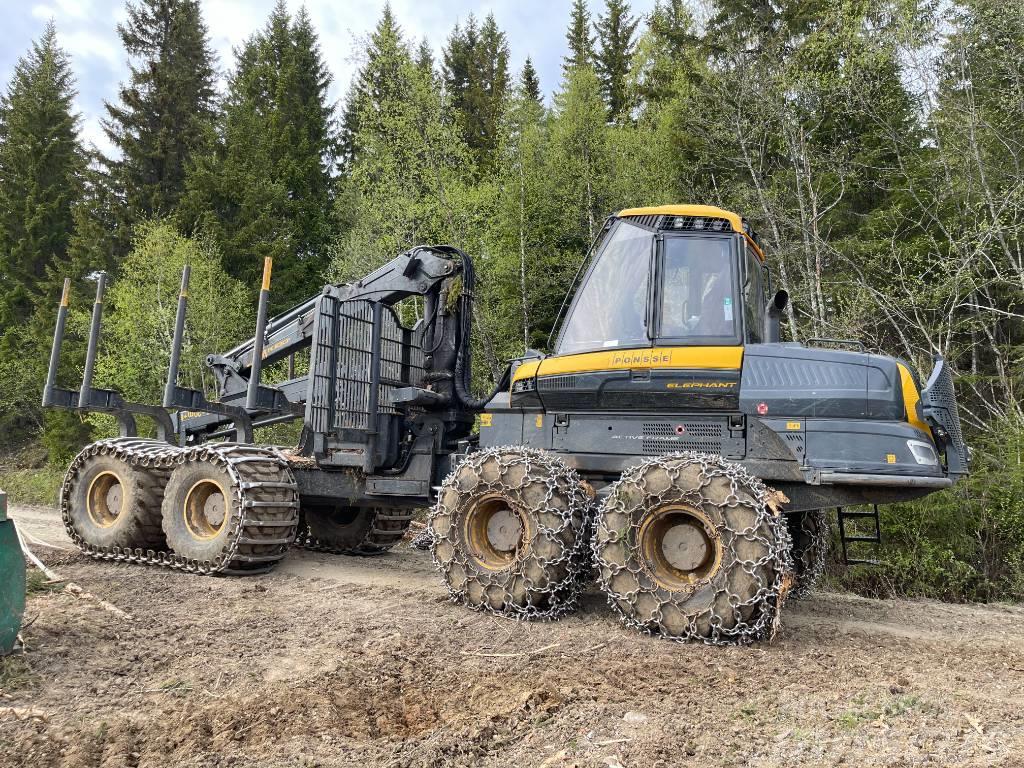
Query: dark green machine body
point(12, 581)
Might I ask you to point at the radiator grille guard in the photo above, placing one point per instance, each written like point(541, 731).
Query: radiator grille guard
point(340, 363)
point(938, 401)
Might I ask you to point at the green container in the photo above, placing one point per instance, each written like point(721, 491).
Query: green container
point(12, 581)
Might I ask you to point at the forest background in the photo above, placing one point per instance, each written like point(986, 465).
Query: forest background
point(875, 145)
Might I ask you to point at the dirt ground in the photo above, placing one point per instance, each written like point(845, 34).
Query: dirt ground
point(335, 661)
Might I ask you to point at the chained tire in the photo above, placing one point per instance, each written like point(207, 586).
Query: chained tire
point(692, 547)
point(233, 509)
point(809, 532)
point(509, 533)
point(113, 504)
point(352, 530)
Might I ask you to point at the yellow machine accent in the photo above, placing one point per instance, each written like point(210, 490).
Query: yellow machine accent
point(911, 399)
point(688, 210)
point(703, 358)
point(697, 210)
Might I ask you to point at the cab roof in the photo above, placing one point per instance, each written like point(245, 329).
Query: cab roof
point(688, 210)
point(707, 211)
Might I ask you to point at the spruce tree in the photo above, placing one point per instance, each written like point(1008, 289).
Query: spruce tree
point(372, 84)
point(41, 168)
point(614, 58)
point(581, 42)
point(425, 58)
point(41, 171)
point(476, 82)
point(267, 189)
point(165, 112)
point(410, 166)
point(529, 82)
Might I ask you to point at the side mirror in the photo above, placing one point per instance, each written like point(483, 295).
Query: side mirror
point(773, 317)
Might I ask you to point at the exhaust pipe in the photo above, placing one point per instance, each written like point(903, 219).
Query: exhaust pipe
point(773, 317)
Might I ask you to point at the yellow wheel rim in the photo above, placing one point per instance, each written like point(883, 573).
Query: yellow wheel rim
point(104, 501)
point(679, 547)
point(206, 510)
point(494, 532)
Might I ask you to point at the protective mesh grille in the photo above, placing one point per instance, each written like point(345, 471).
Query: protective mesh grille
point(341, 356)
point(664, 437)
point(553, 383)
point(939, 403)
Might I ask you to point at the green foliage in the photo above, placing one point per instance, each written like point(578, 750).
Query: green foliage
point(614, 60)
point(41, 176)
point(529, 82)
point(140, 312)
point(579, 38)
point(38, 485)
point(165, 111)
point(41, 165)
point(476, 81)
point(267, 188)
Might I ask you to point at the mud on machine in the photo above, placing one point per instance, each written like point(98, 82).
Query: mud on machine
point(671, 444)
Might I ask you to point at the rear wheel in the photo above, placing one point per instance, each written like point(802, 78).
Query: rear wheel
point(509, 533)
point(691, 547)
point(115, 505)
point(200, 512)
point(809, 532)
point(354, 530)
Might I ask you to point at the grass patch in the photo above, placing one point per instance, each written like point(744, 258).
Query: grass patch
point(38, 584)
point(897, 706)
point(31, 486)
point(15, 673)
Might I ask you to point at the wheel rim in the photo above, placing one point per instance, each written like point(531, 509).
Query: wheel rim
point(494, 532)
point(679, 547)
point(104, 500)
point(206, 511)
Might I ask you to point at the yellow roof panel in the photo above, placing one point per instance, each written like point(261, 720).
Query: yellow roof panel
point(687, 210)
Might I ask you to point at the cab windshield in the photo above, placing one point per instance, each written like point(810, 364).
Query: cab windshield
point(610, 309)
point(695, 303)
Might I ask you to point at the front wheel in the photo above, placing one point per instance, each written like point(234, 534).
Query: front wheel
point(810, 534)
point(509, 533)
point(692, 547)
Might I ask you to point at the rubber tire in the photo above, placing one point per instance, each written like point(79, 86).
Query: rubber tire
point(809, 532)
point(545, 578)
point(138, 527)
point(705, 613)
point(179, 538)
point(350, 529)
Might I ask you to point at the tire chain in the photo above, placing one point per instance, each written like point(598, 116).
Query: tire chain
point(244, 464)
point(377, 541)
point(814, 526)
point(769, 597)
point(558, 598)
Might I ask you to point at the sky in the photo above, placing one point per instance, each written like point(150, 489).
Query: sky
point(87, 30)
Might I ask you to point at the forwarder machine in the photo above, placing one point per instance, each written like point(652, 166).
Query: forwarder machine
point(672, 442)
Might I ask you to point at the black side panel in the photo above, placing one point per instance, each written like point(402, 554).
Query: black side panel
point(791, 380)
point(643, 389)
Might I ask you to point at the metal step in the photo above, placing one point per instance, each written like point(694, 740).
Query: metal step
point(851, 535)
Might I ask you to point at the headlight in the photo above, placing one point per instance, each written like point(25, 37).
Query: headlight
point(523, 385)
point(923, 453)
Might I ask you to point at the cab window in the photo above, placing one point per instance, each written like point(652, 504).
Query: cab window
point(698, 301)
point(755, 299)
